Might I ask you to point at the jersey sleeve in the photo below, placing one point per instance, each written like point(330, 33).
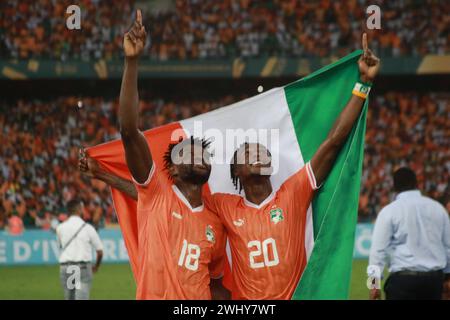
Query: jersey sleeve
point(150, 183)
point(153, 189)
point(218, 257)
point(153, 195)
point(302, 184)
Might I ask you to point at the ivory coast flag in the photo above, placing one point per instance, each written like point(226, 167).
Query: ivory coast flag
point(292, 121)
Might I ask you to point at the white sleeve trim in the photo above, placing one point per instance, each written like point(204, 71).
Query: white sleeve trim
point(311, 176)
point(149, 178)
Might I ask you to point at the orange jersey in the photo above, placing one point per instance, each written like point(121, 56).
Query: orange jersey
point(180, 247)
point(268, 241)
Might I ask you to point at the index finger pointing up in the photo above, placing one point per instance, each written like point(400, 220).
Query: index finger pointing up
point(139, 16)
point(364, 43)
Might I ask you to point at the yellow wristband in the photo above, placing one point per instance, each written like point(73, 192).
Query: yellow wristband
point(361, 90)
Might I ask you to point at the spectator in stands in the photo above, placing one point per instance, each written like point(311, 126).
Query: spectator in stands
point(15, 224)
point(38, 178)
point(204, 29)
point(418, 130)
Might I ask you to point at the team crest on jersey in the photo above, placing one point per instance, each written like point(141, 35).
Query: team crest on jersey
point(210, 234)
point(239, 222)
point(276, 215)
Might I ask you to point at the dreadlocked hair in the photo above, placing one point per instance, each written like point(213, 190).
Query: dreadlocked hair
point(236, 182)
point(167, 158)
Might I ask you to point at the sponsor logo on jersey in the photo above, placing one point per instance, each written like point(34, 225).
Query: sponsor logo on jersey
point(238, 222)
point(276, 215)
point(210, 234)
point(177, 215)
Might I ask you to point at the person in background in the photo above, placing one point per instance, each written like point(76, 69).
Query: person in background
point(76, 239)
point(414, 233)
point(2, 221)
point(15, 224)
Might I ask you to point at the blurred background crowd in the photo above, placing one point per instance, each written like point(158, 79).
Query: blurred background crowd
point(201, 29)
point(41, 139)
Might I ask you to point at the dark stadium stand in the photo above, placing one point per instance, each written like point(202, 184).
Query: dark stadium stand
point(204, 29)
point(249, 39)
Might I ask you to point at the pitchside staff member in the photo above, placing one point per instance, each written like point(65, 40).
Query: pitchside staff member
point(76, 239)
point(414, 232)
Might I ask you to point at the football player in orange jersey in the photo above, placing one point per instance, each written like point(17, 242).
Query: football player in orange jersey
point(181, 243)
point(91, 169)
point(266, 228)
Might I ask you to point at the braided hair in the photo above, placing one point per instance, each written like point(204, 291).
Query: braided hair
point(236, 182)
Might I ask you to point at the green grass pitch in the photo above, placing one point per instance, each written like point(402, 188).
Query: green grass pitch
point(113, 281)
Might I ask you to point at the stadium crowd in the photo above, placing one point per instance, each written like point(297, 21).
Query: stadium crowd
point(199, 29)
point(41, 139)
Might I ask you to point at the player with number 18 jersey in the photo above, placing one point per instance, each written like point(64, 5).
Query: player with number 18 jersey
point(180, 247)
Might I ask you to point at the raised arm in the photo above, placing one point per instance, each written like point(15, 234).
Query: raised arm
point(91, 169)
point(324, 158)
point(137, 151)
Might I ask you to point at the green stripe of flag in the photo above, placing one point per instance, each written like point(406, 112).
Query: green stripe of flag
point(315, 102)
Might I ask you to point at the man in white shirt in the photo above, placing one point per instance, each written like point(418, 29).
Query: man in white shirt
point(413, 234)
point(76, 240)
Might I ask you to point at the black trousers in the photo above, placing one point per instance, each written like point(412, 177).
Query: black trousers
point(414, 287)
